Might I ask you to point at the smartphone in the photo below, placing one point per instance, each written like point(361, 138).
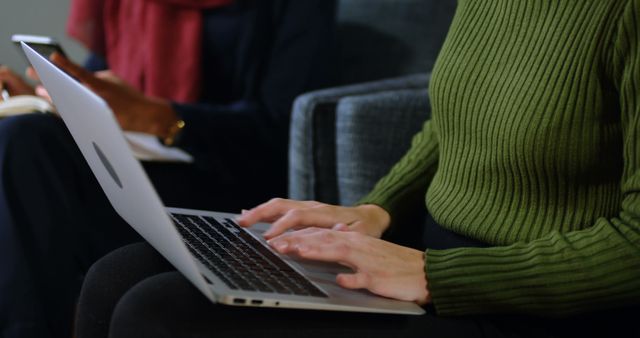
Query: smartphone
point(44, 45)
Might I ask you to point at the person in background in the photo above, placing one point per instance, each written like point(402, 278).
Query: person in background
point(529, 166)
point(213, 77)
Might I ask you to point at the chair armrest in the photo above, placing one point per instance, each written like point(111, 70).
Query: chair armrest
point(312, 158)
point(334, 94)
point(372, 133)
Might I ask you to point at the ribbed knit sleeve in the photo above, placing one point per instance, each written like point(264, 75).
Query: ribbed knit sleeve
point(562, 272)
point(409, 178)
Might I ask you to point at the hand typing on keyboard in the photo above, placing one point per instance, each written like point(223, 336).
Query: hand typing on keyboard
point(348, 236)
point(381, 267)
point(285, 214)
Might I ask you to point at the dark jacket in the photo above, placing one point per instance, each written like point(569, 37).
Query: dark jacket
point(284, 48)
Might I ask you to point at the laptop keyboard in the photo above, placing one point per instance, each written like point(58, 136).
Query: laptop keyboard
point(238, 259)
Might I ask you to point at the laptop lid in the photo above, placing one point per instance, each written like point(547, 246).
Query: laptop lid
point(127, 186)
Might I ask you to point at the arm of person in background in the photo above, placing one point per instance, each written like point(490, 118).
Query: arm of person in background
point(15, 84)
point(133, 110)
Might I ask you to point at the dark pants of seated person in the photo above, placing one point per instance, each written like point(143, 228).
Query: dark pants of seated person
point(134, 292)
point(55, 221)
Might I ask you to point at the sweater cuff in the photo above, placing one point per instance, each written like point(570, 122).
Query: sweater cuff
point(446, 281)
point(465, 281)
point(510, 279)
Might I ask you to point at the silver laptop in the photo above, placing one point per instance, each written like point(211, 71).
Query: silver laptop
point(227, 263)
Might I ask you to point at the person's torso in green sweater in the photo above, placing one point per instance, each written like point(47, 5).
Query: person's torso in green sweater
point(534, 147)
point(527, 118)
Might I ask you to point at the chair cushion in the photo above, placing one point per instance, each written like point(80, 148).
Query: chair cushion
point(372, 133)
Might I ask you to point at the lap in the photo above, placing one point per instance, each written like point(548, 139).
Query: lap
point(142, 296)
point(167, 305)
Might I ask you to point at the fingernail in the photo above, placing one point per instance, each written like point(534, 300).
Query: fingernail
point(243, 211)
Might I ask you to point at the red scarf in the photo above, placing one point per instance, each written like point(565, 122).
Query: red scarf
point(154, 45)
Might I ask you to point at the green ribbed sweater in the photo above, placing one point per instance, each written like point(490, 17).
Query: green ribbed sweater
point(533, 147)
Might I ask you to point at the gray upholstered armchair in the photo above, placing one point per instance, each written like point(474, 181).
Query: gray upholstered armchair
point(344, 139)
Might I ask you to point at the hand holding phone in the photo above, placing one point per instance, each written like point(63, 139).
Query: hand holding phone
point(44, 45)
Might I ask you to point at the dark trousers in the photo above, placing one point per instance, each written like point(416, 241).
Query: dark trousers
point(134, 292)
point(55, 221)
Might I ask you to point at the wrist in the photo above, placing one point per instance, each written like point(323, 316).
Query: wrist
point(175, 131)
point(378, 217)
point(166, 122)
